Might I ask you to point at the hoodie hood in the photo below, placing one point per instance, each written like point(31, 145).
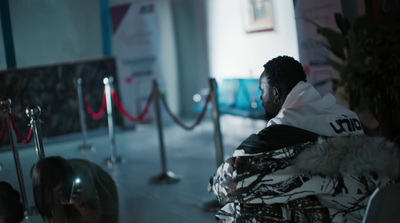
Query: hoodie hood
point(305, 108)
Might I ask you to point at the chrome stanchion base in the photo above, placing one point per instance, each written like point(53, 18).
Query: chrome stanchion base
point(111, 162)
point(85, 147)
point(212, 206)
point(31, 212)
point(164, 178)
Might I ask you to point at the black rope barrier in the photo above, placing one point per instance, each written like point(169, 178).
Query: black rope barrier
point(180, 123)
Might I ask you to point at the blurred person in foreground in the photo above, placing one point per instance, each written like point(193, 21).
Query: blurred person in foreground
point(11, 209)
point(312, 162)
point(95, 200)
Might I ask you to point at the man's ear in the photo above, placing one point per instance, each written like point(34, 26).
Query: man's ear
point(275, 92)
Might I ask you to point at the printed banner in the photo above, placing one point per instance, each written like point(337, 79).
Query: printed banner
point(136, 45)
point(312, 53)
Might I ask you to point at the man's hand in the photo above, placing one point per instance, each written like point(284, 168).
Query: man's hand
point(78, 200)
point(90, 215)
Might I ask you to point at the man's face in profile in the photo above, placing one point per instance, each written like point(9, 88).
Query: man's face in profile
point(266, 96)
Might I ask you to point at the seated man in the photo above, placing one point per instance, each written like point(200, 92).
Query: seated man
point(310, 164)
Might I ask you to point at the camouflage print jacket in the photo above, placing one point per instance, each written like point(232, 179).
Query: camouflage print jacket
point(326, 181)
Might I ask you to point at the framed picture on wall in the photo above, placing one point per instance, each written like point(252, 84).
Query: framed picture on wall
point(258, 15)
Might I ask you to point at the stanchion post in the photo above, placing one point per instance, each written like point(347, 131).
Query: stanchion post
point(79, 95)
point(214, 205)
point(166, 177)
point(6, 106)
point(215, 116)
point(108, 85)
point(33, 112)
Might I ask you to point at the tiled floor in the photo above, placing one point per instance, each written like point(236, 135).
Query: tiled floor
point(191, 155)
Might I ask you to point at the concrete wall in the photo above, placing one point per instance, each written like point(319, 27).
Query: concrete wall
point(190, 35)
point(53, 31)
point(235, 53)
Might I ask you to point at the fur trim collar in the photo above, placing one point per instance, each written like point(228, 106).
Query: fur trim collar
point(354, 155)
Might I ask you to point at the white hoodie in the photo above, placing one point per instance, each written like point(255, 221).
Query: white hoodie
point(305, 108)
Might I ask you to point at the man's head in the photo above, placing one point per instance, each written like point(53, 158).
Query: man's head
point(280, 76)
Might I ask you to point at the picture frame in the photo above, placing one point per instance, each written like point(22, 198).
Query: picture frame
point(258, 15)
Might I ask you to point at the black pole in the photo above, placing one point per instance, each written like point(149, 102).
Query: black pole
point(106, 33)
point(166, 177)
point(160, 129)
point(217, 125)
point(7, 34)
point(214, 205)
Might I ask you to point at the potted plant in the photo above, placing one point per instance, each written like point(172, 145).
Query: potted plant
point(367, 57)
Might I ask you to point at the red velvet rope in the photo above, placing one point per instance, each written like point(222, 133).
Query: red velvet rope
point(3, 131)
point(139, 118)
point(177, 121)
point(19, 136)
point(99, 114)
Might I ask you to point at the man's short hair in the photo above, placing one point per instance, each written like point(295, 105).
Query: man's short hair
point(284, 72)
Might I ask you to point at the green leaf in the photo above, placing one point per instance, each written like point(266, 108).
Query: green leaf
point(337, 42)
point(342, 23)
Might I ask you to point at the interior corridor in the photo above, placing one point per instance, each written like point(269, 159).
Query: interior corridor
point(190, 155)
